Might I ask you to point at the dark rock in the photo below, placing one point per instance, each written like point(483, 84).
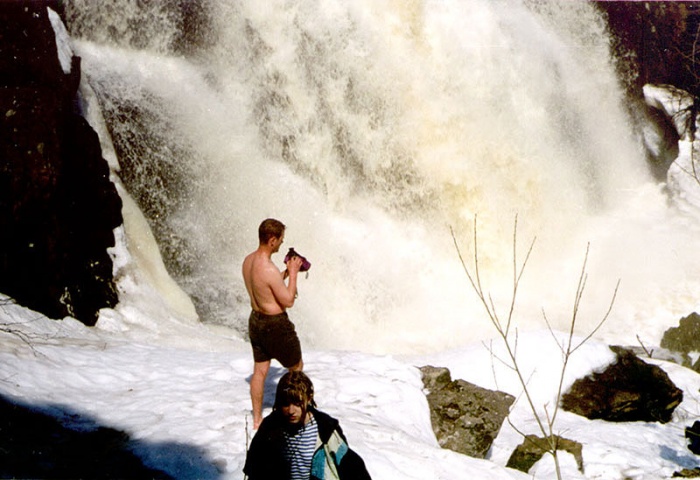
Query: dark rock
point(687, 473)
point(684, 338)
point(665, 138)
point(58, 207)
point(654, 41)
point(533, 448)
point(692, 433)
point(626, 391)
point(465, 418)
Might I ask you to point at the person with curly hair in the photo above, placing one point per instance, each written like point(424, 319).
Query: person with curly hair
point(299, 442)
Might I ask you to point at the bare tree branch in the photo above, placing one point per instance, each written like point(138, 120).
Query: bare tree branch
point(509, 336)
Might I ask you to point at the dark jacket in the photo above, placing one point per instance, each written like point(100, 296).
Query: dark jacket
point(265, 459)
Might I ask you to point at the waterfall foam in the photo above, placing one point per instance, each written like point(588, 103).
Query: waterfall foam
point(371, 128)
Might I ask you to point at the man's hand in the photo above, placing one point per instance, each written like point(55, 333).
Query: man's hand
point(293, 266)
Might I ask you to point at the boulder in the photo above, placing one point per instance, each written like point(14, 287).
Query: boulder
point(58, 207)
point(684, 339)
point(465, 417)
point(627, 390)
point(533, 448)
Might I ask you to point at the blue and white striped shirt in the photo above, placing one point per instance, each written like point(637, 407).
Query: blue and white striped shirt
point(299, 450)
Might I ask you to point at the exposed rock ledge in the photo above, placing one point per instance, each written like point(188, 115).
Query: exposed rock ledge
point(58, 207)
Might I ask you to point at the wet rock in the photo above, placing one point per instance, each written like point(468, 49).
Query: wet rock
point(626, 391)
point(465, 418)
point(58, 207)
point(684, 339)
point(533, 448)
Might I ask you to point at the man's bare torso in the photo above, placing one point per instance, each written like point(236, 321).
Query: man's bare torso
point(260, 275)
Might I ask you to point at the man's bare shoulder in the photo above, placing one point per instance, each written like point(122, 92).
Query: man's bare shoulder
point(266, 268)
point(259, 264)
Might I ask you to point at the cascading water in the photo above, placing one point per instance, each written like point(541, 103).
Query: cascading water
point(373, 128)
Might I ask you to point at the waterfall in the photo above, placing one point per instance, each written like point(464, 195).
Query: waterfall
point(374, 129)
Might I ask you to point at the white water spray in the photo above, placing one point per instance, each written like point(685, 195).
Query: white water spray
point(371, 128)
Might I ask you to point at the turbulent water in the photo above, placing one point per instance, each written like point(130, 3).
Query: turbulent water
point(374, 129)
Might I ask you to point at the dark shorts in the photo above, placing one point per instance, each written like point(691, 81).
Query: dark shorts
point(274, 336)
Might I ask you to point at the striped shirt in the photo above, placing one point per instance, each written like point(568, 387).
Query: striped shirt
point(299, 450)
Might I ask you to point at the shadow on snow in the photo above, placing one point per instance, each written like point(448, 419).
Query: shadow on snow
point(55, 441)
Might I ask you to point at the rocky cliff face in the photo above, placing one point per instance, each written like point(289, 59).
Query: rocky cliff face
point(58, 207)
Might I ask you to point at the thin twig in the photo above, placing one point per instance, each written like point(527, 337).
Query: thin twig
point(567, 348)
point(648, 352)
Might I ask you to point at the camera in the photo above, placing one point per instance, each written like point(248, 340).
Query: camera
point(305, 264)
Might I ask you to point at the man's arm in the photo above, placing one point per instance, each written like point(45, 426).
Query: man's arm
point(286, 294)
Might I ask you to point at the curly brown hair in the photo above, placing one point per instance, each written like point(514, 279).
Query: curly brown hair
point(295, 388)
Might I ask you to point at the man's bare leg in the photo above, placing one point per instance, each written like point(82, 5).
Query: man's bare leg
point(257, 390)
point(298, 367)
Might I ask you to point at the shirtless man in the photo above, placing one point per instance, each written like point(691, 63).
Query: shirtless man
point(271, 333)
